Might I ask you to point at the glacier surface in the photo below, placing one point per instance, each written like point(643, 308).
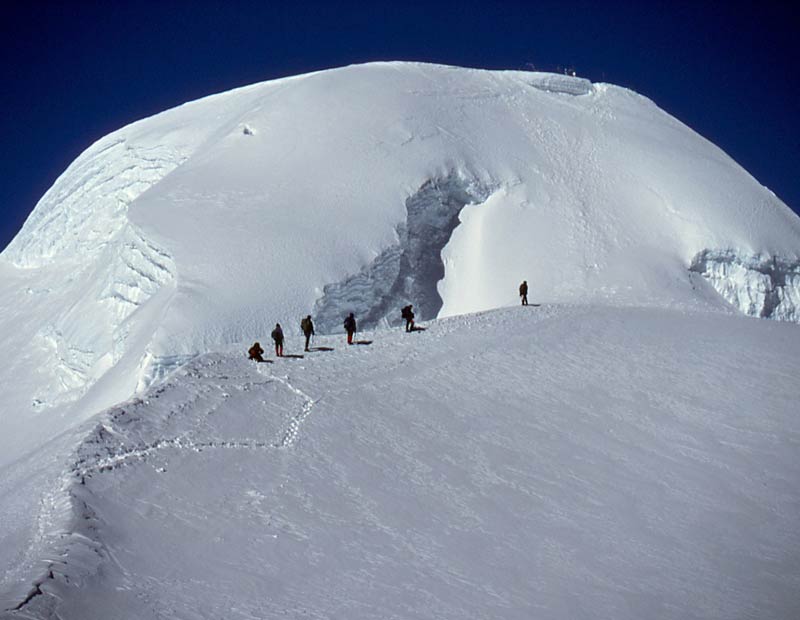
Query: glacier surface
point(362, 189)
point(600, 463)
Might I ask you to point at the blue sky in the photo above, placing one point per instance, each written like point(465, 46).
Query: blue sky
point(73, 72)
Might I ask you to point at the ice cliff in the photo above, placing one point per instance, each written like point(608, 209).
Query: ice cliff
point(762, 286)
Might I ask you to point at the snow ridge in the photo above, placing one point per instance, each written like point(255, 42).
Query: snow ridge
point(449, 467)
point(564, 84)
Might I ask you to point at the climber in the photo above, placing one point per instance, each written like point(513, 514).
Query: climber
point(408, 314)
point(307, 327)
point(277, 336)
point(256, 353)
point(350, 327)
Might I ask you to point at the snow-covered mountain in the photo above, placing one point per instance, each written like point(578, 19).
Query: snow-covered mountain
point(367, 186)
point(561, 462)
point(362, 189)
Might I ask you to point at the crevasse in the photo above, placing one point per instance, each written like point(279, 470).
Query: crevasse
point(409, 270)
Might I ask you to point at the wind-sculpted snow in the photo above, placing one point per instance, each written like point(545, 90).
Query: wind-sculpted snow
point(83, 289)
point(79, 352)
point(84, 211)
point(139, 270)
point(566, 84)
point(756, 285)
point(604, 463)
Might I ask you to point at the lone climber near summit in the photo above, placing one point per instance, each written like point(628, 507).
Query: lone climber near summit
point(523, 292)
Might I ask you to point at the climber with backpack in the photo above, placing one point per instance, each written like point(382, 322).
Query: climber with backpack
point(408, 314)
point(307, 327)
point(277, 337)
point(350, 327)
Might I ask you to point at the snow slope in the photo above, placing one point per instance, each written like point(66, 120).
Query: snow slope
point(359, 189)
point(560, 462)
point(362, 189)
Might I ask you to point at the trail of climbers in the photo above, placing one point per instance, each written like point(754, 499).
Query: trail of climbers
point(117, 441)
point(288, 436)
point(129, 435)
point(206, 397)
point(123, 455)
point(589, 449)
point(126, 456)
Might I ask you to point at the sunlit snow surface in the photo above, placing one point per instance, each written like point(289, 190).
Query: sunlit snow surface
point(629, 446)
point(553, 462)
point(207, 223)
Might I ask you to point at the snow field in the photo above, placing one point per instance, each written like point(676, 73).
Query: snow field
point(194, 228)
point(556, 462)
point(636, 456)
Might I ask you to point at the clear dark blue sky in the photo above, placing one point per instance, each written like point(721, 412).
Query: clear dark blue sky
point(74, 71)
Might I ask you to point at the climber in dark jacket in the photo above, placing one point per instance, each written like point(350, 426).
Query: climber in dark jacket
point(256, 353)
point(408, 314)
point(350, 327)
point(307, 325)
point(523, 292)
point(277, 336)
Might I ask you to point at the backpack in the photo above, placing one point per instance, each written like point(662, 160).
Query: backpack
point(304, 325)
